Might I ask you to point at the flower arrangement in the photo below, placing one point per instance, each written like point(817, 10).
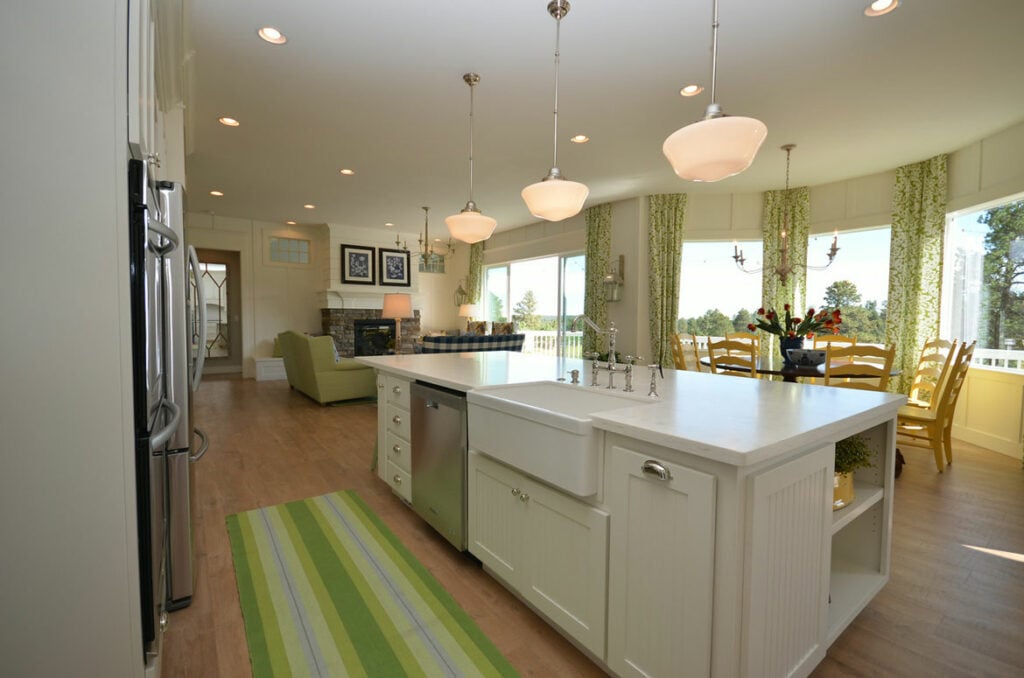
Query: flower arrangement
point(794, 327)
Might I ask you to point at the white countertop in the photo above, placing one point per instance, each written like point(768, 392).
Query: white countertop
point(733, 420)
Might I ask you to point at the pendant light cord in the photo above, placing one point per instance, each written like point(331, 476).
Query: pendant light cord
point(471, 87)
point(714, 48)
point(558, 34)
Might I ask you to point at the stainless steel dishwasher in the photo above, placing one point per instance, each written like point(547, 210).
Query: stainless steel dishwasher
point(439, 444)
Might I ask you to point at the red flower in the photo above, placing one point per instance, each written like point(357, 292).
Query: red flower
point(751, 327)
point(810, 335)
point(797, 321)
point(760, 311)
point(785, 307)
point(792, 334)
point(771, 315)
point(810, 312)
point(835, 314)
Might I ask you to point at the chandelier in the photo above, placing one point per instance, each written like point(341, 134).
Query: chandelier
point(432, 253)
point(785, 267)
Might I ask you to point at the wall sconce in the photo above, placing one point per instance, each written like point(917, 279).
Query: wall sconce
point(612, 282)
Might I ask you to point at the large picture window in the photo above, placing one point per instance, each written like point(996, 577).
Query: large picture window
point(857, 282)
point(541, 296)
point(715, 297)
point(983, 282)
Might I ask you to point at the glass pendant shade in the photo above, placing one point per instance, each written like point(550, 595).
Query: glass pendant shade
point(470, 226)
point(714, 148)
point(555, 199)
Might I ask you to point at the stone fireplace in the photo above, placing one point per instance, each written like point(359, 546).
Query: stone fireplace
point(340, 324)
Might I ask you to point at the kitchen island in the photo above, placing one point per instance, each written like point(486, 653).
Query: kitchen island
point(708, 546)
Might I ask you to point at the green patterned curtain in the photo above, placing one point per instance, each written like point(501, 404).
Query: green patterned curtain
point(774, 293)
point(915, 263)
point(476, 265)
point(599, 247)
point(666, 213)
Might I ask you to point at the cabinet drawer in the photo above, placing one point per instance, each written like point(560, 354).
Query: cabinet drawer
point(400, 481)
point(398, 392)
point(397, 422)
point(398, 451)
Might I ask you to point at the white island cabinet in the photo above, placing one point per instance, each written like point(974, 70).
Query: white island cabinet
point(710, 547)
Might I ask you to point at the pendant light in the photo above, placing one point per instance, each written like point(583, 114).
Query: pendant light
point(717, 146)
point(554, 197)
point(470, 225)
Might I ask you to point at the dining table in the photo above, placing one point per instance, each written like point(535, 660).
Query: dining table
point(791, 374)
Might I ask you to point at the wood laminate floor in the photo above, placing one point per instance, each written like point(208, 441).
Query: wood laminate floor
point(954, 605)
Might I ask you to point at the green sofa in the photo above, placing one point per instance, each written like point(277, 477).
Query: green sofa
point(311, 368)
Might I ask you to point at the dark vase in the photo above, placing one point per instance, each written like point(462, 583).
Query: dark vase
point(787, 343)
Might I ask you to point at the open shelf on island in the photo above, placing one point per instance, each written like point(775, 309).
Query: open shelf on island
point(866, 496)
point(851, 588)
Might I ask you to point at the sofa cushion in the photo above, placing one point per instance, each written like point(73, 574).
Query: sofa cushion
point(493, 342)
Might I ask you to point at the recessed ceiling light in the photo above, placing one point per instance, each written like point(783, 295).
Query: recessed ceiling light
point(691, 90)
point(880, 7)
point(388, 223)
point(309, 206)
point(217, 194)
point(230, 122)
point(347, 172)
point(290, 223)
point(272, 35)
point(579, 139)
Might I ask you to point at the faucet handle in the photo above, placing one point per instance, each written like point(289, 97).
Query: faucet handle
point(593, 355)
point(632, 359)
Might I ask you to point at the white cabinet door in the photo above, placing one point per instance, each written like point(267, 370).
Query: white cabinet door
point(141, 78)
point(661, 561)
point(566, 568)
point(496, 517)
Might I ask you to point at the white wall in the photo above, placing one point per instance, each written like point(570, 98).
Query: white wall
point(69, 587)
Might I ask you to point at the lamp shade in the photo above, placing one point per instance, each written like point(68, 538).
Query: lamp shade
point(714, 148)
point(397, 306)
point(467, 310)
point(470, 226)
point(555, 199)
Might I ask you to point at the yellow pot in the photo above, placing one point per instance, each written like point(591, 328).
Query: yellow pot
point(842, 491)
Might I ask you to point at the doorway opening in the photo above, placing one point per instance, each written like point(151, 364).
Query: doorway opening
point(219, 273)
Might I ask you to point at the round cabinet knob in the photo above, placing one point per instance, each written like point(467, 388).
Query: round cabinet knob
point(397, 419)
point(398, 479)
point(515, 491)
point(396, 389)
point(396, 449)
point(524, 497)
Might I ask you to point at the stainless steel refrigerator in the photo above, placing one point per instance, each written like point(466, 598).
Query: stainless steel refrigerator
point(185, 330)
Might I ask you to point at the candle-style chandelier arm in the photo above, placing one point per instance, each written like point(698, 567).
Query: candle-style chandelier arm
point(785, 268)
point(427, 247)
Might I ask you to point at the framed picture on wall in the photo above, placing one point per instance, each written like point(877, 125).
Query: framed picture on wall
point(394, 267)
point(357, 264)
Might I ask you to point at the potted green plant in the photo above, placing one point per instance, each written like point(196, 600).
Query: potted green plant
point(851, 454)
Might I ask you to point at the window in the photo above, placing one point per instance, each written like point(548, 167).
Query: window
point(715, 296)
point(289, 250)
point(857, 282)
point(541, 296)
point(983, 282)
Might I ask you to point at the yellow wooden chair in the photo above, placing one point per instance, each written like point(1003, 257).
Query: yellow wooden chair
point(862, 367)
point(932, 426)
point(678, 355)
point(936, 358)
point(747, 337)
point(732, 356)
point(823, 341)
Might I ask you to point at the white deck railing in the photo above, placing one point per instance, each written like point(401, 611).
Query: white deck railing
point(999, 358)
point(546, 343)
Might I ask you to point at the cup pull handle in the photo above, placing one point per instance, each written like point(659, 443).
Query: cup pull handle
point(653, 468)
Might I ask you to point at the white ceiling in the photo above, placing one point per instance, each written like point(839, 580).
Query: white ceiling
point(377, 87)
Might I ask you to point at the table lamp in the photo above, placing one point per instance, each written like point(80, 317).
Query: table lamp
point(467, 311)
point(397, 306)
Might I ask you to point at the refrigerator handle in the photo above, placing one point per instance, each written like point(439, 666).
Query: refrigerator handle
point(197, 366)
point(158, 440)
point(163, 231)
point(204, 444)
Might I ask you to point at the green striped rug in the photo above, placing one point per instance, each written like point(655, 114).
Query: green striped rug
point(327, 590)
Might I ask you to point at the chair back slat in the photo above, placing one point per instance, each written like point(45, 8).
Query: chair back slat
point(747, 338)
point(678, 355)
point(843, 363)
point(933, 367)
point(823, 341)
point(696, 352)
